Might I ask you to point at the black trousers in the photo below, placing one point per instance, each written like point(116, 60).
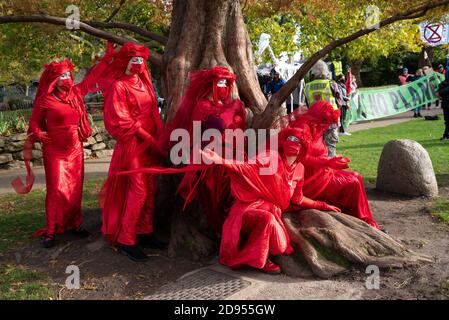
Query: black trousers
point(343, 110)
point(445, 106)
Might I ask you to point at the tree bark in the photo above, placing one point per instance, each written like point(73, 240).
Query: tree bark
point(356, 66)
point(329, 243)
point(422, 61)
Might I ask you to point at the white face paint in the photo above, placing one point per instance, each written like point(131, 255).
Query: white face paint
point(136, 60)
point(293, 138)
point(222, 83)
point(65, 76)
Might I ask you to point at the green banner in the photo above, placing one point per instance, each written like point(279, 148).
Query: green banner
point(379, 103)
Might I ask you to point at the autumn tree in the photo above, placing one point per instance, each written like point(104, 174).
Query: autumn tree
point(205, 33)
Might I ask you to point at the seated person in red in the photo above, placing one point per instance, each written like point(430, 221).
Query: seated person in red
point(254, 230)
point(208, 101)
point(325, 178)
point(60, 122)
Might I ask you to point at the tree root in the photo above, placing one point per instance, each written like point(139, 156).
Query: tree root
point(331, 243)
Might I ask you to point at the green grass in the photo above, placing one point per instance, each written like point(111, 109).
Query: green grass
point(19, 283)
point(365, 147)
point(440, 209)
point(21, 215)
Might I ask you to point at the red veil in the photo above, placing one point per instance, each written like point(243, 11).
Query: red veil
point(47, 83)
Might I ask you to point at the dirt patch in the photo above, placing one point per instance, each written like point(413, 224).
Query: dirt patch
point(105, 274)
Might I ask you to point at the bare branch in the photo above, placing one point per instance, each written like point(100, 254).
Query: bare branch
point(155, 58)
point(116, 10)
point(131, 27)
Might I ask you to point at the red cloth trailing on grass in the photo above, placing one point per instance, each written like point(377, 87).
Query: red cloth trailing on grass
point(62, 115)
point(131, 116)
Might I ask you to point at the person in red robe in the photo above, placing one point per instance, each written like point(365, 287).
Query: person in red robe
point(208, 101)
point(132, 118)
point(59, 121)
point(254, 230)
point(325, 178)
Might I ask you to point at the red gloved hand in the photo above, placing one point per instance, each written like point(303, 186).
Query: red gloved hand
point(338, 163)
point(323, 206)
point(151, 142)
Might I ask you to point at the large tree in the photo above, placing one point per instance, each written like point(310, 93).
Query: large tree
point(205, 33)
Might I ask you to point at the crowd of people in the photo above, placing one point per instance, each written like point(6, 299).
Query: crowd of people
point(243, 206)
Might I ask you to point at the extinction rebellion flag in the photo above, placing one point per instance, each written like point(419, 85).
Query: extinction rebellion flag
point(379, 103)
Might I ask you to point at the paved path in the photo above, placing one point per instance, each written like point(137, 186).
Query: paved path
point(93, 169)
point(98, 168)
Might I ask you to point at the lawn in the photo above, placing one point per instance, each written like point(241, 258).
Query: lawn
point(20, 216)
point(365, 147)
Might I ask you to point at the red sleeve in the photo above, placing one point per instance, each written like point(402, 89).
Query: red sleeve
point(203, 109)
point(38, 119)
point(117, 118)
point(90, 80)
point(299, 178)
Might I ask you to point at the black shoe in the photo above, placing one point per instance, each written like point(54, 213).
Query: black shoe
point(82, 233)
point(415, 116)
point(48, 241)
point(444, 138)
point(150, 241)
point(419, 115)
point(134, 253)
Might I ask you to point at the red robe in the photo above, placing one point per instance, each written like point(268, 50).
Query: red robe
point(254, 229)
point(212, 186)
point(64, 121)
point(129, 200)
point(343, 189)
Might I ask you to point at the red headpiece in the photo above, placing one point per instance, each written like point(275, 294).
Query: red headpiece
point(49, 77)
point(202, 84)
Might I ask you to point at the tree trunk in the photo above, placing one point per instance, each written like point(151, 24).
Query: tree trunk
point(356, 67)
point(207, 33)
point(422, 61)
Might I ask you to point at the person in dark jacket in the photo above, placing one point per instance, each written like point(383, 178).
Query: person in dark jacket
point(443, 92)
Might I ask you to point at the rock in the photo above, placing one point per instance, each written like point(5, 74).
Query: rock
point(17, 155)
point(104, 153)
point(92, 124)
point(38, 162)
point(99, 138)
point(5, 158)
point(37, 146)
point(15, 164)
point(98, 146)
point(2, 142)
point(14, 146)
point(90, 142)
point(87, 153)
point(37, 154)
point(17, 137)
point(111, 144)
point(405, 168)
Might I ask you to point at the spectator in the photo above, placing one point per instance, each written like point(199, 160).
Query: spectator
point(404, 76)
point(443, 92)
point(342, 99)
point(441, 70)
point(275, 84)
point(319, 88)
point(417, 76)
